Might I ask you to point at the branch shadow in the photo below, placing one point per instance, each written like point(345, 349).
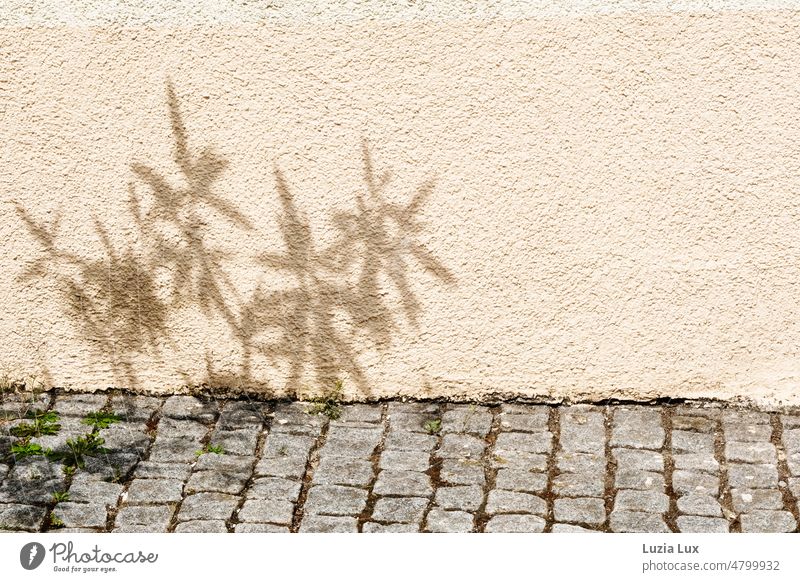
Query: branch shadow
point(333, 297)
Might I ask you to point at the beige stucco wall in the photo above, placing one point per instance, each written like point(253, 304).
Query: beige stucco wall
point(580, 203)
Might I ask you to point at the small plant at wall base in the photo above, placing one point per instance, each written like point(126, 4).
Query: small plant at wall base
point(433, 426)
point(101, 419)
point(44, 423)
point(330, 404)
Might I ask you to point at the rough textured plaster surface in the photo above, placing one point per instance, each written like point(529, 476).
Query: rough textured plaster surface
point(593, 207)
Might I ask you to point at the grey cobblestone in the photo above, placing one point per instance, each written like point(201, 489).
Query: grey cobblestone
point(698, 524)
point(764, 521)
point(489, 468)
point(328, 524)
point(400, 509)
point(147, 491)
point(202, 526)
point(515, 524)
point(442, 521)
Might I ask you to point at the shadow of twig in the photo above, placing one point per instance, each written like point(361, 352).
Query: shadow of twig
point(312, 326)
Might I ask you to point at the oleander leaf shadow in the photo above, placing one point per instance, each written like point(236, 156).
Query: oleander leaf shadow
point(331, 300)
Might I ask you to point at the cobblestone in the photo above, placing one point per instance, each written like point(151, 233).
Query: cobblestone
point(507, 468)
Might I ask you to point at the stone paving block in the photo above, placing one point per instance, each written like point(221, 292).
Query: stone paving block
point(791, 439)
point(16, 405)
point(569, 528)
point(580, 510)
point(79, 404)
point(227, 463)
point(161, 528)
point(577, 485)
point(403, 483)
point(122, 437)
point(745, 433)
point(751, 452)
point(287, 445)
point(467, 419)
point(174, 449)
point(748, 476)
point(794, 487)
point(524, 441)
point(515, 524)
point(584, 463)
point(32, 481)
point(135, 408)
point(703, 462)
point(459, 446)
point(400, 509)
point(111, 467)
point(698, 524)
point(174, 428)
point(638, 460)
point(285, 423)
point(645, 480)
point(405, 460)
point(534, 422)
point(288, 466)
point(155, 516)
point(236, 442)
point(693, 482)
point(746, 500)
point(335, 500)
point(646, 501)
point(147, 491)
point(624, 521)
point(267, 511)
point(457, 472)
point(514, 480)
point(706, 410)
point(260, 528)
point(243, 414)
point(790, 420)
point(82, 514)
point(352, 442)
point(744, 416)
point(274, 488)
point(411, 422)
point(699, 504)
point(637, 428)
point(154, 470)
point(17, 516)
point(202, 526)
point(464, 497)
point(328, 524)
point(396, 407)
point(343, 471)
point(793, 463)
point(190, 408)
point(207, 506)
point(582, 431)
point(361, 413)
point(693, 423)
point(500, 501)
point(523, 408)
point(86, 490)
point(518, 460)
point(218, 481)
point(409, 441)
point(692, 442)
point(372, 527)
point(765, 521)
point(441, 521)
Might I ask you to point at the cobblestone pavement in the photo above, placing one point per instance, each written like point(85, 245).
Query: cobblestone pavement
point(183, 464)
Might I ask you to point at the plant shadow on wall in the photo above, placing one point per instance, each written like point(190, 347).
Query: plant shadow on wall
point(330, 296)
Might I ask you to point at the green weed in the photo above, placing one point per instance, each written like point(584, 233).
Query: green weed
point(330, 404)
point(59, 496)
point(43, 423)
point(216, 449)
point(100, 419)
point(433, 426)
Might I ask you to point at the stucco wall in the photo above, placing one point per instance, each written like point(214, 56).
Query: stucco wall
point(596, 200)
